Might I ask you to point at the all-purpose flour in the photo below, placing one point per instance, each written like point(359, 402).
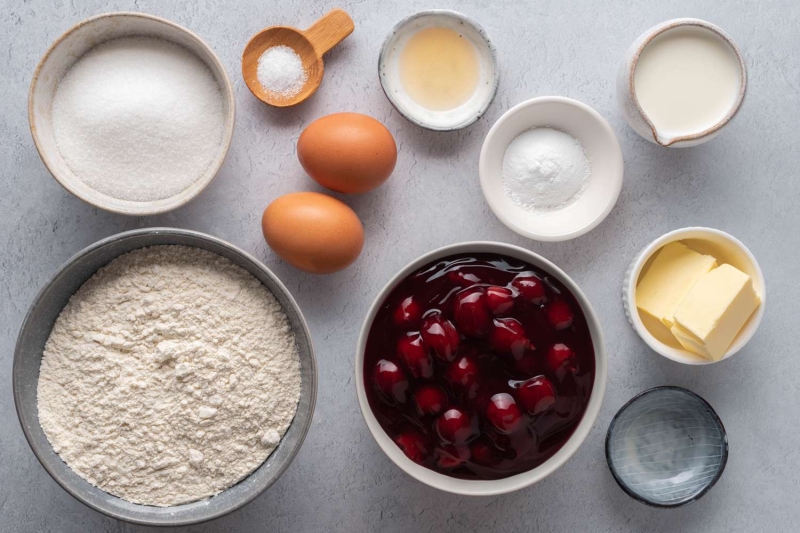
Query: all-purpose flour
point(169, 376)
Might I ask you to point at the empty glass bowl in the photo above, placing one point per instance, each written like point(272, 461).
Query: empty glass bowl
point(666, 447)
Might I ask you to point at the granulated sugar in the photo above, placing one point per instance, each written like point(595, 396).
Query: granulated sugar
point(138, 118)
point(280, 71)
point(169, 376)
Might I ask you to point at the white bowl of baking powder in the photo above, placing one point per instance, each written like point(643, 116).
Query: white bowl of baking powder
point(599, 193)
point(131, 113)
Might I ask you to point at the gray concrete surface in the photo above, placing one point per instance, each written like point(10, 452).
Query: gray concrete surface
point(745, 182)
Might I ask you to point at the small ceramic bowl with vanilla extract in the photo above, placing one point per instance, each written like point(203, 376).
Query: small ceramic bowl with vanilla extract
point(465, 57)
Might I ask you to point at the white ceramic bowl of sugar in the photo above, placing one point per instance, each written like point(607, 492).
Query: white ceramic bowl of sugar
point(603, 151)
point(66, 51)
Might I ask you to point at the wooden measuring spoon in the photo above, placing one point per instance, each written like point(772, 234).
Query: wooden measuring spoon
point(309, 44)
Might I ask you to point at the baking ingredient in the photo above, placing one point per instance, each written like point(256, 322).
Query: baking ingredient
point(430, 400)
point(686, 80)
point(313, 232)
point(411, 350)
point(347, 152)
point(408, 314)
point(439, 68)
point(702, 305)
point(545, 169)
point(280, 71)
point(716, 308)
point(467, 394)
point(390, 381)
point(536, 395)
point(138, 118)
point(500, 300)
point(671, 276)
point(170, 375)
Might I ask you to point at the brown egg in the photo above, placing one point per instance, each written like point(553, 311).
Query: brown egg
point(347, 152)
point(313, 232)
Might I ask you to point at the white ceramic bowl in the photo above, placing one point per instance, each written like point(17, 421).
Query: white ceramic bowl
point(389, 70)
point(519, 481)
point(65, 51)
point(727, 249)
point(601, 145)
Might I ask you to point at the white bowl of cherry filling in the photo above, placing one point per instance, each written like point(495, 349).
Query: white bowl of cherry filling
point(480, 368)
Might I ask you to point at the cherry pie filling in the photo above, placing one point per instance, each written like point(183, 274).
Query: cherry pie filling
point(479, 366)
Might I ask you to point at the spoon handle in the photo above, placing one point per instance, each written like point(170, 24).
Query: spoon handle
point(330, 30)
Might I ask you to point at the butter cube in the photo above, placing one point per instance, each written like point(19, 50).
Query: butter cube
point(672, 275)
point(714, 310)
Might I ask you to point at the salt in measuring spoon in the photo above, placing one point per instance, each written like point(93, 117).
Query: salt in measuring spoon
point(309, 44)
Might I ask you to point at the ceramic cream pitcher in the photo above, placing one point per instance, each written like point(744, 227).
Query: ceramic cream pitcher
point(630, 105)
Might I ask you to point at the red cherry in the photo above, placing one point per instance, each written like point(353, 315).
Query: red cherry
point(451, 456)
point(441, 336)
point(455, 426)
point(413, 445)
point(559, 356)
point(430, 400)
point(462, 279)
point(508, 336)
point(559, 314)
point(463, 375)
point(500, 300)
point(411, 350)
point(483, 453)
point(471, 313)
point(408, 314)
point(503, 413)
point(390, 381)
point(536, 395)
point(530, 287)
point(561, 360)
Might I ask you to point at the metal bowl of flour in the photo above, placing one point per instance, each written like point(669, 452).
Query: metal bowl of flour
point(36, 329)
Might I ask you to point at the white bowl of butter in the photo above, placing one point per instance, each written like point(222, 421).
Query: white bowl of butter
point(695, 295)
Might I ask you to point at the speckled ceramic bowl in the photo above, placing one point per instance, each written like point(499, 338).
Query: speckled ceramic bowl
point(666, 447)
point(28, 355)
point(66, 50)
point(489, 77)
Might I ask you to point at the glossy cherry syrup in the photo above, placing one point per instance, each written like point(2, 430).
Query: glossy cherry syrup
point(479, 366)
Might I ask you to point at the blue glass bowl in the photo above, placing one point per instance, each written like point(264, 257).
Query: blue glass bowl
point(666, 447)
